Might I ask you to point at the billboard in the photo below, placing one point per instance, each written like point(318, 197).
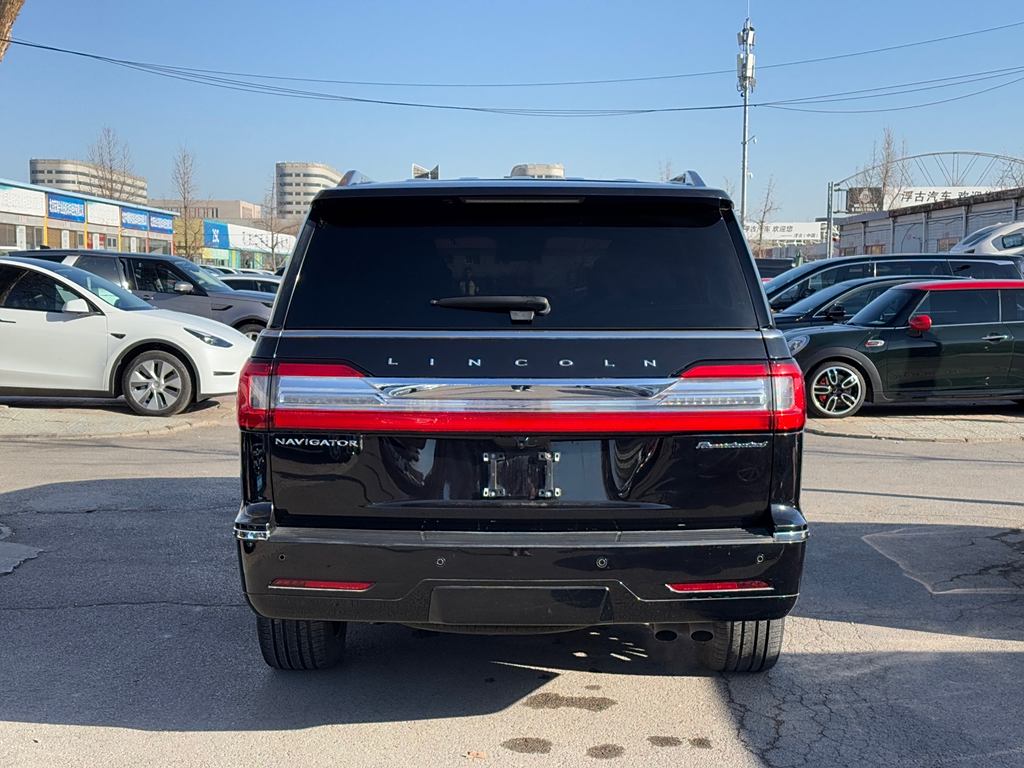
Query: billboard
point(784, 231)
point(104, 214)
point(863, 199)
point(65, 208)
point(26, 202)
point(215, 234)
point(161, 222)
point(132, 218)
point(907, 196)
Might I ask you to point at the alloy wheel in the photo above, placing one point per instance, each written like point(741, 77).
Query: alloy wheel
point(837, 390)
point(155, 384)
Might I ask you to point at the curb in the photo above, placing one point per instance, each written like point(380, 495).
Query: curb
point(951, 440)
point(179, 426)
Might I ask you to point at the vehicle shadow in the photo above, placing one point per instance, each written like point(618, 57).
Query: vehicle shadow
point(92, 404)
point(131, 616)
point(959, 409)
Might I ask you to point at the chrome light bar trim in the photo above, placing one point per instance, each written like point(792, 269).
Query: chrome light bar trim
point(549, 395)
point(790, 537)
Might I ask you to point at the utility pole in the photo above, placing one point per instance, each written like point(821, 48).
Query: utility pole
point(745, 85)
point(829, 218)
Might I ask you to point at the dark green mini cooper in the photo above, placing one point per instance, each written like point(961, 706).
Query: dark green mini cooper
point(927, 339)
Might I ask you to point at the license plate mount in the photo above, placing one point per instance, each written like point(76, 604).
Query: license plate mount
point(521, 475)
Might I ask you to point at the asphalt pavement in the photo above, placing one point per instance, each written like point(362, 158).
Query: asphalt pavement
point(124, 639)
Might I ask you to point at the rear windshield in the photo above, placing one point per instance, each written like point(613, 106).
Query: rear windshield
point(890, 309)
point(630, 263)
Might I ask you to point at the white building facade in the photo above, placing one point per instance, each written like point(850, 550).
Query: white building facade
point(86, 178)
point(298, 183)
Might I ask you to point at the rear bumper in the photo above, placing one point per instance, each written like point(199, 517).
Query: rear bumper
point(522, 579)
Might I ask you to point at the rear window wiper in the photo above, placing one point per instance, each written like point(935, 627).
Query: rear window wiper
point(520, 308)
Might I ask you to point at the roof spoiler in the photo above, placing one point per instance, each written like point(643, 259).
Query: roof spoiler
point(354, 177)
point(690, 178)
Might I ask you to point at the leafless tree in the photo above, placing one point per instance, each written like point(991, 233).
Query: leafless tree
point(189, 226)
point(884, 169)
point(665, 170)
point(113, 160)
point(1011, 176)
point(729, 186)
point(768, 207)
point(9, 10)
point(274, 225)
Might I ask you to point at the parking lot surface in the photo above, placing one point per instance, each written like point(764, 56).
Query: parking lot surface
point(125, 639)
point(27, 417)
point(932, 422)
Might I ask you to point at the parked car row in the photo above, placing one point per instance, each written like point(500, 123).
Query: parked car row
point(68, 332)
point(803, 281)
point(219, 270)
point(881, 329)
point(171, 282)
point(950, 338)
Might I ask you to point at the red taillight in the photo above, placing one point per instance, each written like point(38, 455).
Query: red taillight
point(336, 586)
point(750, 585)
point(447, 422)
point(727, 371)
point(315, 369)
point(789, 403)
point(254, 395)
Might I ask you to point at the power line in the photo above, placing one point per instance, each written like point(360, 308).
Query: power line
point(281, 91)
point(604, 81)
point(896, 109)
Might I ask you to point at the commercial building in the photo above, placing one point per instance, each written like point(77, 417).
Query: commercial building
point(234, 245)
point(89, 179)
point(298, 183)
point(931, 227)
point(539, 170)
point(241, 211)
point(34, 216)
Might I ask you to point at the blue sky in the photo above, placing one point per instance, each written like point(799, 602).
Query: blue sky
point(54, 105)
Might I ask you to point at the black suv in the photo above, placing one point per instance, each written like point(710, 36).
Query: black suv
point(171, 282)
point(521, 406)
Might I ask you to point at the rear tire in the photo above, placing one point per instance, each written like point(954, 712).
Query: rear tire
point(252, 330)
point(293, 644)
point(835, 389)
point(743, 646)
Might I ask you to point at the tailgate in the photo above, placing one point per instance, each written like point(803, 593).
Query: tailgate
point(431, 433)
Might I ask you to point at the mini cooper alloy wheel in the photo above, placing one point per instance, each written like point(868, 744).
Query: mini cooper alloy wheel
point(837, 390)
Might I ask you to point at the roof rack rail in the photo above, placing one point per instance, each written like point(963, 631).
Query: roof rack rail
point(354, 177)
point(692, 178)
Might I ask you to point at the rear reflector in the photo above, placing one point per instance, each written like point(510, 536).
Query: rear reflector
point(752, 585)
point(335, 586)
point(745, 397)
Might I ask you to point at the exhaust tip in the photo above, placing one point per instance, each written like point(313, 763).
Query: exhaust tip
point(702, 636)
point(665, 635)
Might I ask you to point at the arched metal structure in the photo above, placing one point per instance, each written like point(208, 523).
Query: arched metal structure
point(951, 168)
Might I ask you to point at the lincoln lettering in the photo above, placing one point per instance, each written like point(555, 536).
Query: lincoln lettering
point(523, 362)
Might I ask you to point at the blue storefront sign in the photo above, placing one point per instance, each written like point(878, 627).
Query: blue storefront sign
point(159, 222)
point(215, 234)
point(65, 208)
point(132, 218)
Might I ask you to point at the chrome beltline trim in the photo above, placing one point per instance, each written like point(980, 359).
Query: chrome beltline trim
point(520, 334)
point(614, 395)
